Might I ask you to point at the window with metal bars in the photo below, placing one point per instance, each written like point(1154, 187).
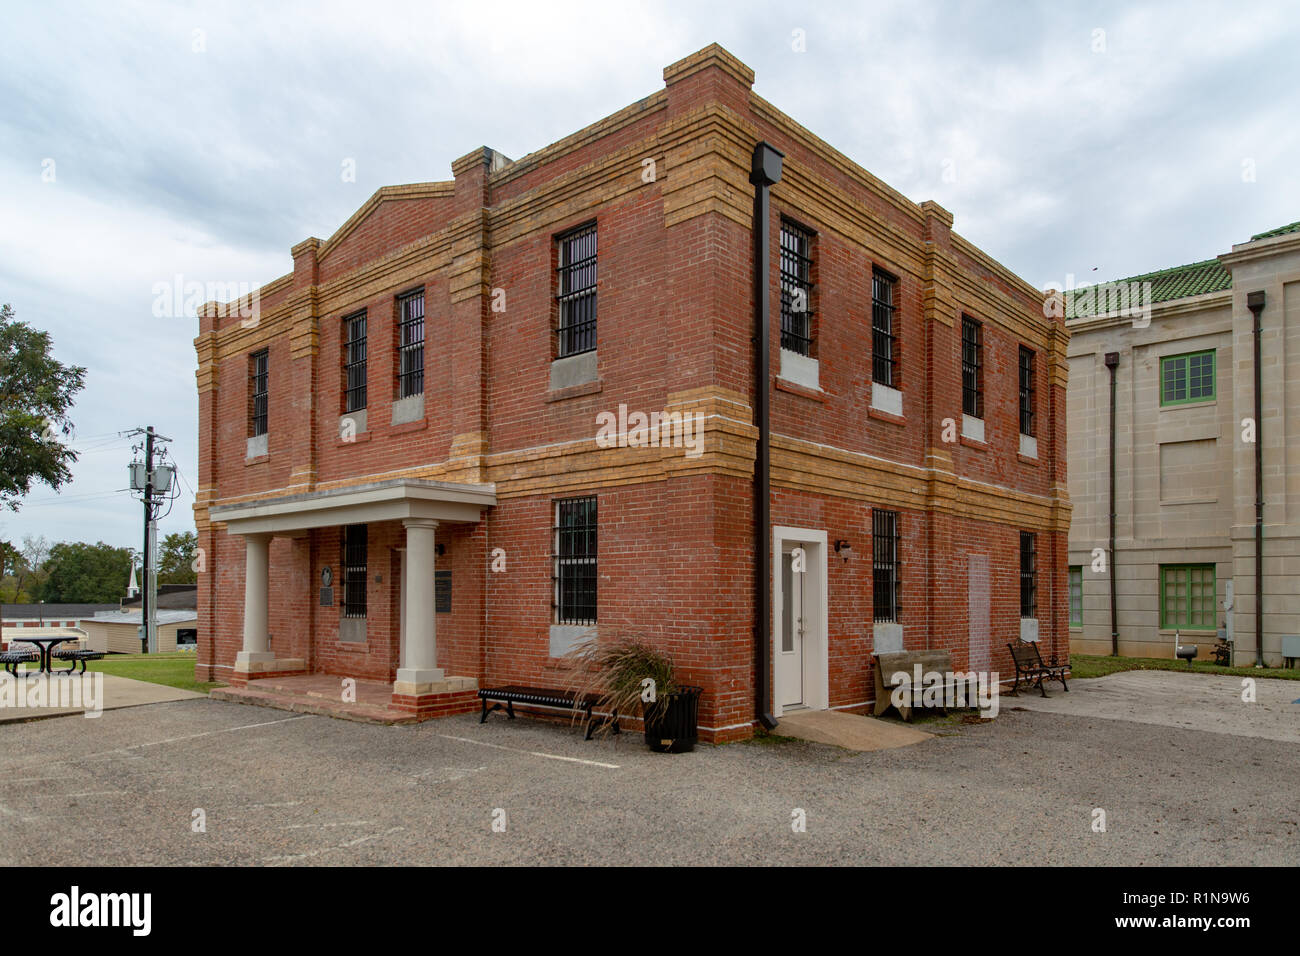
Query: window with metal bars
point(884, 340)
point(886, 597)
point(410, 344)
point(575, 561)
point(1028, 574)
point(1027, 391)
point(576, 291)
point(354, 362)
point(972, 367)
point(796, 288)
point(258, 368)
point(354, 570)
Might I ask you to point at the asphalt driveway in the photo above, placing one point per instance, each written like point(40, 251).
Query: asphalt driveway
point(1206, 702)
point(275, 788)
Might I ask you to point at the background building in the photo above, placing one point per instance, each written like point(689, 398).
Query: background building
point(400, 471)
point(1184, 462)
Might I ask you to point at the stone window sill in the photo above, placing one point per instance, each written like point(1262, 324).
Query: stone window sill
point(575, 391)
point(405, 427)
point(794, 388)
point(878, 415)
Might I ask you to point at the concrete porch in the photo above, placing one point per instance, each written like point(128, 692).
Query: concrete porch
point(421, 688)
point(375, 701)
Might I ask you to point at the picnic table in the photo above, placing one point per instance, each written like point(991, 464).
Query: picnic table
point(45, 648)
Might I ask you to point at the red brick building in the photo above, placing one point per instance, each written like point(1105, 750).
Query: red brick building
point(426, 397)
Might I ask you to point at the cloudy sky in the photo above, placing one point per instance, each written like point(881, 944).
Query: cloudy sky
point(142, 141)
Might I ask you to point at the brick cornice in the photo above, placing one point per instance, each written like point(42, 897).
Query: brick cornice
point(712, 55)
point(437, 190)
point(610, 124)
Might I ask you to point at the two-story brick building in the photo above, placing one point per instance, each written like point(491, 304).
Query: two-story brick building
point(405, 466)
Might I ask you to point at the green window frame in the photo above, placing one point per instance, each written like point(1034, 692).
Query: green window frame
point(1188, 378)
point(1187, 597)
point(1076, 595)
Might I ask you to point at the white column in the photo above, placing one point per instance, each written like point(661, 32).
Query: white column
point(419, 660)
point(257, 568)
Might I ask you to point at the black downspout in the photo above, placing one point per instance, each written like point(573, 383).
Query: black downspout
point(1255, 302)
point(1112, 362)
point(765, 172)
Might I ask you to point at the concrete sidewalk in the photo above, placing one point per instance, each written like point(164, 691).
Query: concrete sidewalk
point(114, 694)
point(850, 731)
point(1206, 702)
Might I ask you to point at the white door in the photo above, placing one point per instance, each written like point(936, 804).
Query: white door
point(792, 626)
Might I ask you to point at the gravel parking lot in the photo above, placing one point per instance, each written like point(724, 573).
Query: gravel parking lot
point(278, 788)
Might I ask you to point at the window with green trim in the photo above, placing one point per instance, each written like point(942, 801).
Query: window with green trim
point(1076, 595)
point(1187, 597)
point(1187, 378)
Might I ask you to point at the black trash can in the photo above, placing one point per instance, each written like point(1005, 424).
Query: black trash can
point(672, 721)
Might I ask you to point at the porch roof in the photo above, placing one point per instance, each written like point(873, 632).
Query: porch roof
point(391, 500)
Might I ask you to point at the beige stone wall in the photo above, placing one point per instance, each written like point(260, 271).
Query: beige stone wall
point(1184, 474)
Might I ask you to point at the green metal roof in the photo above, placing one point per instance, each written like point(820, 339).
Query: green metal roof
point(1179, 282)
point(1195, 278)
point(1279, 231)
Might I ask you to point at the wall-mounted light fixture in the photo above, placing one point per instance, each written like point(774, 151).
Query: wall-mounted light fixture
point(843, 549)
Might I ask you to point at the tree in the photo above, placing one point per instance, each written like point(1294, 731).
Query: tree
point(176, 558)
point(36, 394)
point(86, 573)
point(23, 575)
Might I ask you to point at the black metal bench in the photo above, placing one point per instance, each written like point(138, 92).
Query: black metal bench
point(1030, 665)
point(13, 657)
point(541, 696)
point(77, 655)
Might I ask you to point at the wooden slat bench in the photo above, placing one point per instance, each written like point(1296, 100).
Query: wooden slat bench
point(1029, 664)
point(541, 696)
point(887, 665)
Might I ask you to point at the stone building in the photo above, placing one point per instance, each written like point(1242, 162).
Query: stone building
point(1185, 442)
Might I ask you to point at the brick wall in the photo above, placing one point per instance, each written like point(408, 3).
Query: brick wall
point(675, 318)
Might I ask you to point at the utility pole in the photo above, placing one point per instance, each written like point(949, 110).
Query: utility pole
point(146, 558)
point(155, 484)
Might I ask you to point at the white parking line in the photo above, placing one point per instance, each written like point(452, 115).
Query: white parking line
point(532, 753)
point(173, 740)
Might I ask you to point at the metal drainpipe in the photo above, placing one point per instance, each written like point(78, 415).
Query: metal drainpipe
point(765, 172)
point(1255, 302)
point(1112, 362)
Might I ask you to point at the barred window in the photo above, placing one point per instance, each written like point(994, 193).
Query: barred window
point(886, 597)
point(1076, 595)
point(354, 362)
point(258, 366)
point(1187, 597)
point(576, 291)
point(1027, 395)
point(796, 288)
point(354, 570)
point(1028, 574)
point(884, 339)
point(972, 367)
point(410, 344)
point(575, 561)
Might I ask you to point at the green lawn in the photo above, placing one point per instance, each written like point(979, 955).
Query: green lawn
point(173, 670)
point(1086, 665)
